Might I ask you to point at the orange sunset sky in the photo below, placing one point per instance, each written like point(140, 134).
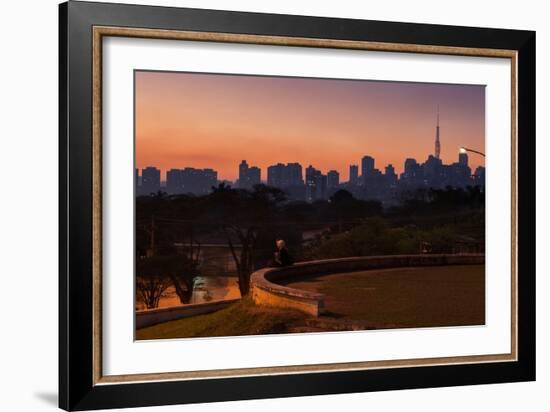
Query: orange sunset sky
point(215, 121)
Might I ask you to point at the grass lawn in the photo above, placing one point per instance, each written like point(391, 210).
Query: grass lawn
point(375, 299)
point(405, 297)
point(241, 318)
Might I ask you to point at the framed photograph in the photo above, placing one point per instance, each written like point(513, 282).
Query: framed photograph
point(256, 205)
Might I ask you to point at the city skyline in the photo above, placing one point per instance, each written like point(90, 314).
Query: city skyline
point(216, 121)
point(310, 184)
point(346, 177)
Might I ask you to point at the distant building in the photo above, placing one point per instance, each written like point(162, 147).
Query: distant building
point(150, 180)
point(199, 181)
point(321, 186)
point(292, 175)
point(412, 174)
point(310, 174)
point(243, 174)
point(411, 168)
point(288, 177)
point(316, 184)
point(479, 176)
point(333, 179)
point(275, 175)
point(254, 176)
point(353, 175)
point(433, 171)
point(463, 159)
point(372, 180)
point(367, 167)
point(249, 176)
point(174, 181)
point(191, 181)
point(390, 176)
point(459, 174)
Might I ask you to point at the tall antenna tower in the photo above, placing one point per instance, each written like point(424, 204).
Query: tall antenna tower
point(437, 144)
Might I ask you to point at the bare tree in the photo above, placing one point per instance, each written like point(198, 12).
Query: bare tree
point(156, 273)
point(242, 215)
point(184, 271)
point(244, 261)
point(150, 287)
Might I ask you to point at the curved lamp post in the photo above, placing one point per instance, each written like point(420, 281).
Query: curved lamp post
point(465, 149)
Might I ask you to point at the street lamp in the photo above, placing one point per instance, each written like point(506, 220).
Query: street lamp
point(465, 149)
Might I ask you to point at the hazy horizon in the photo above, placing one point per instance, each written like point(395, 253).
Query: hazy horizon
point(217, 120)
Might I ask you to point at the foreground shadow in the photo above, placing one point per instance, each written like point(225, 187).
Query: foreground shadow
point(49, 398)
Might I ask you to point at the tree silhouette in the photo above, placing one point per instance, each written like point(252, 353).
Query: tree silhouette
point(241, 216)
point(156, 273)
point(185, 271)
point(151, 282)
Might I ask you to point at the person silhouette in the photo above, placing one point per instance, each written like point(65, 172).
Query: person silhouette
point(281, 257)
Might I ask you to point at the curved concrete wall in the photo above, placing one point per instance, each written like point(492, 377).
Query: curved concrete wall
point(265, 290)
point(152, 317)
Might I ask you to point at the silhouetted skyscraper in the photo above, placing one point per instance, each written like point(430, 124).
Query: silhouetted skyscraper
point(410, 166)
point(353, 174)
point(333, 179)
point(191, 181)
point(292, 175)
point(310, 173)
point(210, 177)
point(285, 176)
point(310, 183)
point(275, 174)
point(320, 186)
point(174, 181)
point(198, 181)
point(316, 184)
point(390, 175)
point(479, 176)
point(150, 180)
point(249, 176)
point(432, 172)
point(254, 176)
point(243, 170)
point(463, 159)
point(367, 165)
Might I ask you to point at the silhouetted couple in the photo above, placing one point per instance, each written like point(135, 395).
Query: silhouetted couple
point(281, 257)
